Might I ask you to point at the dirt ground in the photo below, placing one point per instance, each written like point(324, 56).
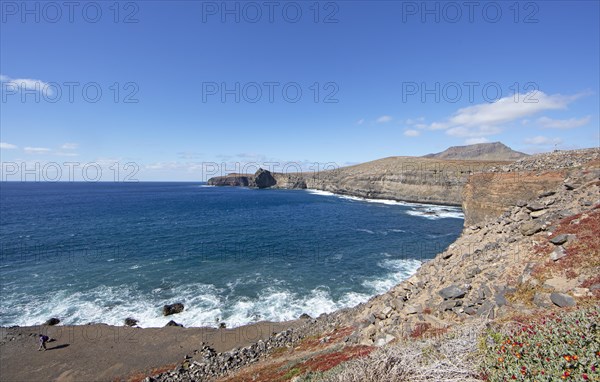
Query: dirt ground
point(107, 353)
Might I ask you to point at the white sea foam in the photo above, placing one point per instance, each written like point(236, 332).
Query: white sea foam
point(205, 305)
point(437, 212)
point(400, 269)
point(454, 212)
point(365, 230)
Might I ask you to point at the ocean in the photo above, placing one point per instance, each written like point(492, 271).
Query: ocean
point(102, 252)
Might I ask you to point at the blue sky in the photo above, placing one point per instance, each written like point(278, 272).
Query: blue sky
point(377, 79)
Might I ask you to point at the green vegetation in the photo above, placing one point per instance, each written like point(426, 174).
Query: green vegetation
point(562, 346)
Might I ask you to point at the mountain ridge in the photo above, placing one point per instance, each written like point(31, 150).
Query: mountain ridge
point(479, 151)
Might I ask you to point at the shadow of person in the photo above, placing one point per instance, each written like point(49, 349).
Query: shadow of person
point(58, 347)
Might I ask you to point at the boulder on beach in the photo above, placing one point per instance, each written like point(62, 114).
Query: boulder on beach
point(173, 323)
point(131, 321)
point(172, 309)
point(52, 321)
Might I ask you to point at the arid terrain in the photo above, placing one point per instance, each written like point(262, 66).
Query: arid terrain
point(530, 248)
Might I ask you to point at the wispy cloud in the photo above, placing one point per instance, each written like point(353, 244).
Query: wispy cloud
point(487, 119)
point(473, 141)
point(36, 150)
point(571, 123)
point(542, 141)
point(7, 146)
point(360, 121)
point(412, 133)
point(27, 84)
point(69, 146)
point(384, 119)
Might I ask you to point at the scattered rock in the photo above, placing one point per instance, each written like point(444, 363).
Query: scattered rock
point(529, 228)
point(537, 214)
point(500, 299)
point(222, 325)
point(452, 292)
point(52, 321)
point(542, 300)
point(562, 300)
point(560, 239)
point(561, 284)
point(535, 206)
point(412, 309)
point(558, 253)
point(173, 323)
point(384, 340)
point(305, 316)
point(547, 193)
point(581, 292)
point(172, 309)
point(131, 321)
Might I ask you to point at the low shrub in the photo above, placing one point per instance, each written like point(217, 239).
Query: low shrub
point(556, 347)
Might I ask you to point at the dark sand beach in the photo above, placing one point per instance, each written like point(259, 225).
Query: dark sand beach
point(101, 352)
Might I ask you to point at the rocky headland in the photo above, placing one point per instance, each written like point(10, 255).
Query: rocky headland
point(530, 248)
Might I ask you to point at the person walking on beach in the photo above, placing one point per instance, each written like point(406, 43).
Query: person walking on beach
point(43, 340)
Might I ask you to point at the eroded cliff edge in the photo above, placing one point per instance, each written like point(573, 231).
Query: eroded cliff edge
point(410, 179)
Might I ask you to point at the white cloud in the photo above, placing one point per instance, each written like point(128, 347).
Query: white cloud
point(473, 132)
point(485, 119)
point(360, 121)
point(549, 123)
point(7, 146)
point(36, 150)
point(27, 84)
point(542, 141)
point(70, 146)
point(473, 141)
point(412, 133)
point(384, 119)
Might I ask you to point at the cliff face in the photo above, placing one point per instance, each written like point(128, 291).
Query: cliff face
point(483, 188)
point(409, 179)
point(486, 196)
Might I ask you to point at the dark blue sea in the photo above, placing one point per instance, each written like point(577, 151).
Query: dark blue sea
point(101, 252)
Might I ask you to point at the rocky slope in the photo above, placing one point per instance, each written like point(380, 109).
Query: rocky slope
point(536, 251)
point(482, 151)
point(542, 251)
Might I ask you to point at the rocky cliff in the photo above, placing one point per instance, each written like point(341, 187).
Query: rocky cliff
point(411, 179)
point(541, 251)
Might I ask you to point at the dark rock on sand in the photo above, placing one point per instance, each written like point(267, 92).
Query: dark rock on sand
point(53, 321)
point(173, 323)
point(131, 321)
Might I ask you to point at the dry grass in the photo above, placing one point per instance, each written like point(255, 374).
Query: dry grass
point(449, 358)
